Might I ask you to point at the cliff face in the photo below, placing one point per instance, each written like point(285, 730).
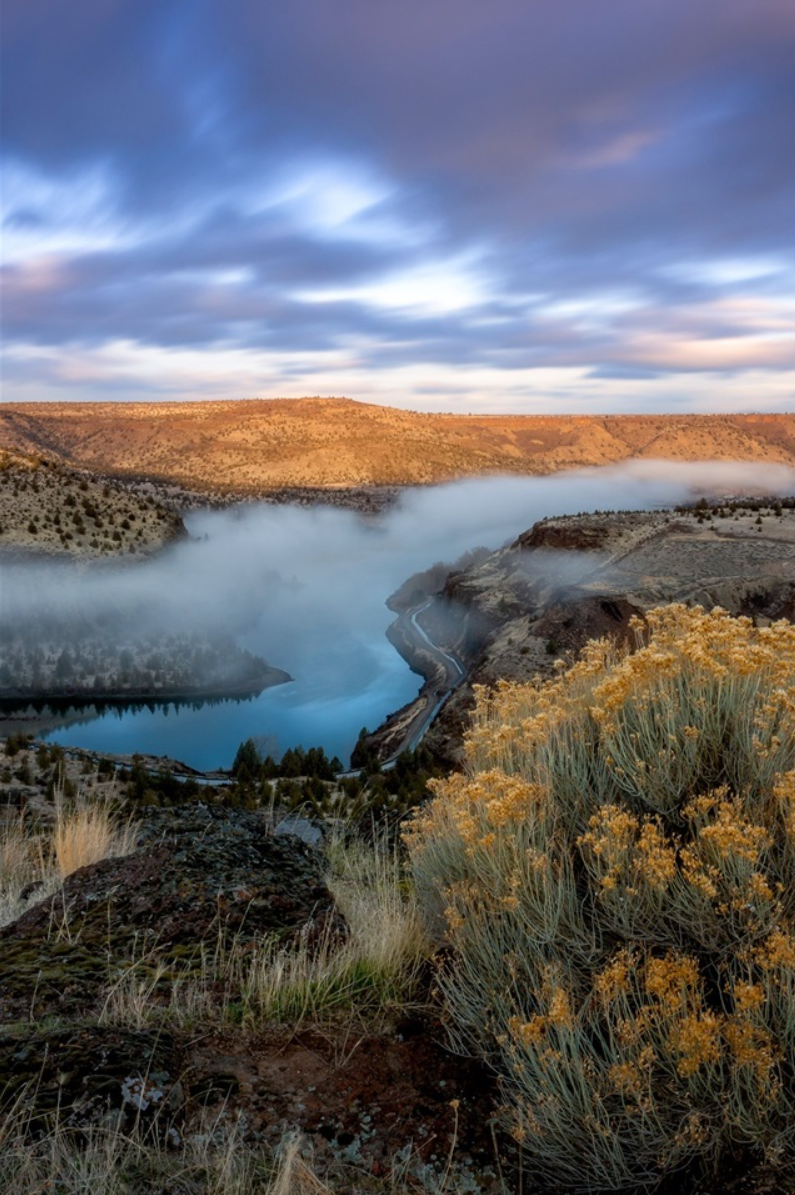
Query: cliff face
point(568, 580)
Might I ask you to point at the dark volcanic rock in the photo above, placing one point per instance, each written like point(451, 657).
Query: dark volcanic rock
point(198, 871)
point(89, 1075)
point(572, 623)
point(582, 534)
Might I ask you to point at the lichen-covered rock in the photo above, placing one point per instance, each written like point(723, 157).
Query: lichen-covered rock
point(89, 1075)
point(198, 872)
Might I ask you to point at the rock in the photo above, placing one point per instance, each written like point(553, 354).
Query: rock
point(198, 871)
point(582, 534)
point(89, 1075)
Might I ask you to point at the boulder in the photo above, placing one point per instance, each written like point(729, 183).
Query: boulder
point(198, 872)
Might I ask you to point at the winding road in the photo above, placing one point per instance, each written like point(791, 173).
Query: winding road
point(435, 692)
point(454, 669)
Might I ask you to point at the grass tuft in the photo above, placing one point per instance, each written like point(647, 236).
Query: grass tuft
point(365, 963)
point(86, 833)
point(36, 859)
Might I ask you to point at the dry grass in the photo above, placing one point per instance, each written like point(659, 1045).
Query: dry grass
point(216, 1161)
point(23, 862)
point(370, 970)
point(112, 1161)
point(39, 859)
point(86, 833)
point(365, 967)
point(295, 1176)
point(366, 973)
point(52, 509)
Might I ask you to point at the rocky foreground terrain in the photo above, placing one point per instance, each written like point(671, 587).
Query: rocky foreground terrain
point(135, 999)
point(260, 445)
point(513, 615)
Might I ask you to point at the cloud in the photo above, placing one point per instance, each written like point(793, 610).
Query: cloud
point(435, 184)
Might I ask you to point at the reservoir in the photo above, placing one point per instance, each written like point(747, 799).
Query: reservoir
point(343, 681)
point(306, 587)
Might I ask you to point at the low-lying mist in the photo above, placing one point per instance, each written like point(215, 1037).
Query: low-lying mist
point(306, 589)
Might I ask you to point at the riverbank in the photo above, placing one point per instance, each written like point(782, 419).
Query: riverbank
point(11, 703)
point(514, 613)
point(442, 672)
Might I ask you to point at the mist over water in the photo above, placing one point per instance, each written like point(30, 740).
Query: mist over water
point(306, 589)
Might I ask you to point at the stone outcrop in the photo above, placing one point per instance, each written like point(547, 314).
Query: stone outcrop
point(570, 579)
point(198, 872)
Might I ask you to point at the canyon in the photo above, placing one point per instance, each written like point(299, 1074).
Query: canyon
point(520, 612)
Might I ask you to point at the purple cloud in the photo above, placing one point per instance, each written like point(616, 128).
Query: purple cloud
point(605, 188)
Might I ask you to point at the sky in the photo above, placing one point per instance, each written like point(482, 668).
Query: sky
point(467, 205)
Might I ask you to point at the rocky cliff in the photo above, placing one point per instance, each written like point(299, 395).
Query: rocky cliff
point(567, 580)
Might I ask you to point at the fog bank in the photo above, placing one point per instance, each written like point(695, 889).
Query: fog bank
point(306, 587)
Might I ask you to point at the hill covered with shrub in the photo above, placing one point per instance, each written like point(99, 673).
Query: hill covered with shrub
point(262, 444)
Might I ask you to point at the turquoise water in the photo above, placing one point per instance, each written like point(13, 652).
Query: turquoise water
point(326, 631)
point(207, 738)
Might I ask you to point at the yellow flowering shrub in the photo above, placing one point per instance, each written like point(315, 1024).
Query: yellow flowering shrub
point(614, 879)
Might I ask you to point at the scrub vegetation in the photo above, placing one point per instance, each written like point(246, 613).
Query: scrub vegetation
point(613, 882)
point(269, 444)
point(48, 508)
point(309, 782)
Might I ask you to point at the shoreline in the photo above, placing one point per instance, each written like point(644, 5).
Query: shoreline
point(20, 702)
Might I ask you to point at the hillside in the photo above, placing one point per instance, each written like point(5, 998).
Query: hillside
point(49, 509)
point(257, 445)
point(512, 615)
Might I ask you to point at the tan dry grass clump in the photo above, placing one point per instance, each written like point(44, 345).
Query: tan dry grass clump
point(22, 862)
point(86, 833)
point(615, 875)
point(35, 860)
point(369, 972)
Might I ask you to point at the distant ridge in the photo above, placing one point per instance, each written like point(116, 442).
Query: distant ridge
point(259, 444)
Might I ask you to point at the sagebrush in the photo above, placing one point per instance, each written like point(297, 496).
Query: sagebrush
point(615, 877)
